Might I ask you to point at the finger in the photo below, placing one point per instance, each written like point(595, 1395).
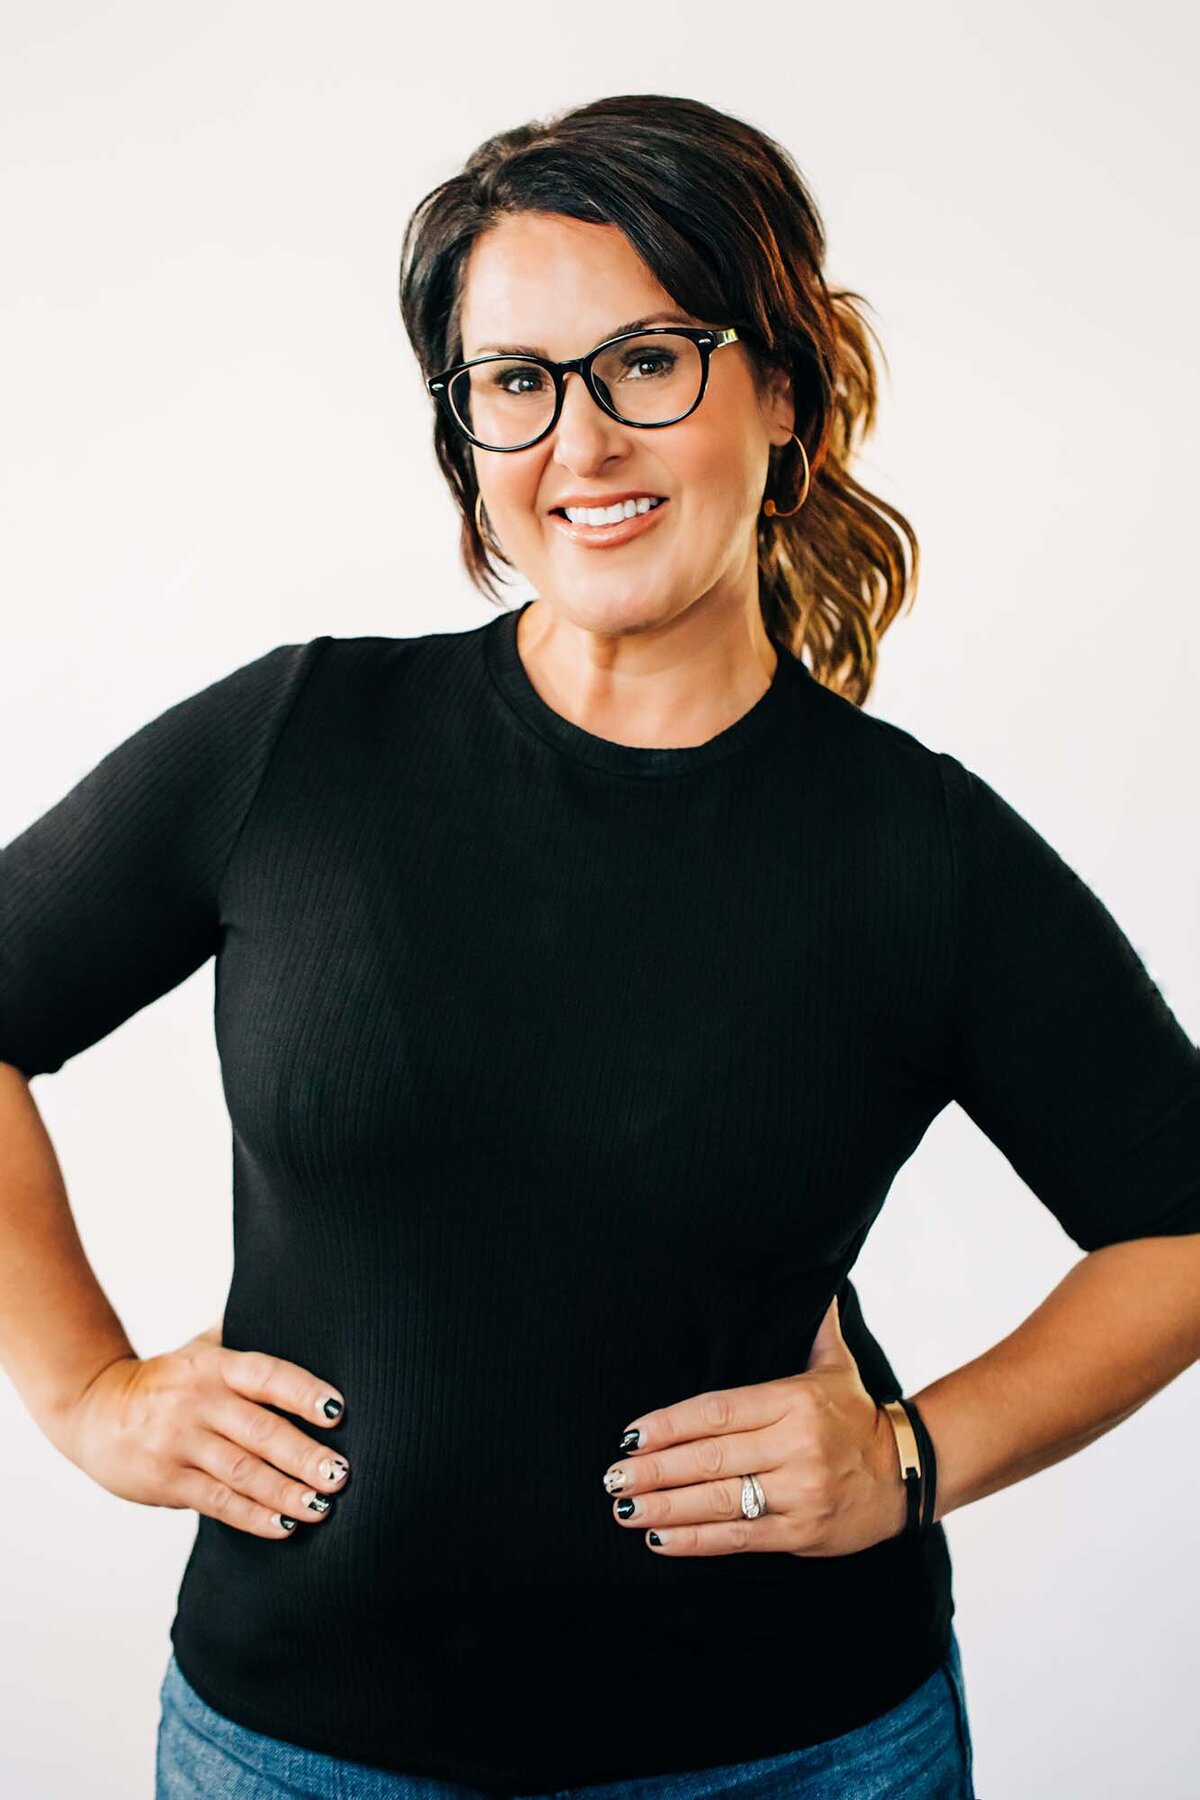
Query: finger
point(771, 1532)
point(276, 1440)
point(716, 1411)
point(277, 1382)
point(205, 1494)
point(704, 1503)
point(248, 1475)
point(707, 1459)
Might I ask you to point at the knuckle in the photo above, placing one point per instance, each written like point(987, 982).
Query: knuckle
point(715, 1410)
point(170, 1489)
point(711, 1457)
point(262, 1426)
point(254, 1366)
point(241, 1468)
point(202, 1353)
point(161, 1458)
point(821, 1489)
point(219, 1498)
point(174, 1490)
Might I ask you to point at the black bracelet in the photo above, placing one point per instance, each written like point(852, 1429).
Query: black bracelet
point(910, 1461)
point(912, 1492)
point(928, 1466)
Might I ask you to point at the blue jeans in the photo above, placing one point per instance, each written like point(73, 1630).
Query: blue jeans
point(919, 1750)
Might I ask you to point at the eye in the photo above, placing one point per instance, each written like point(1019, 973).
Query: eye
point(535, 379)
point(661, 362)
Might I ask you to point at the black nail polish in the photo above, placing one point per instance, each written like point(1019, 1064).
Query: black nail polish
point(653, 1538)
point(288, 1524)
point(630, 1441)
point(319, 1503)
point(625, 1509)
point(332, 1409)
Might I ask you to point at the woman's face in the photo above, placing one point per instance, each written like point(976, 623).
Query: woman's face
point(562, 286)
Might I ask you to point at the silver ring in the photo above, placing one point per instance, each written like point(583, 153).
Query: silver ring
point(754, 1501)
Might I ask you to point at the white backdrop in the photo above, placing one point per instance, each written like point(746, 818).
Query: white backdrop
point(214, 439)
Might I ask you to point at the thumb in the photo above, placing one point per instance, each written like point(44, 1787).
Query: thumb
point(830, 1349)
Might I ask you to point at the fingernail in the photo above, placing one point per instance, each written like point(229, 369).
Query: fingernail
point(318, 1502)
point(631, 1440)
point(652, 1537)
point(282, 1519)
point(626, 1509)
point(333, 1468)
point(332, 1408)
point(614, 1479)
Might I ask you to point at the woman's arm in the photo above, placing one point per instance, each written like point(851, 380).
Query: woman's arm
point(1122, 1323)
point(58, 1328)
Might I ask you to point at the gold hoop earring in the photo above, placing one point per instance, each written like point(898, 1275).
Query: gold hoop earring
point(769, 506)
point(482, 529)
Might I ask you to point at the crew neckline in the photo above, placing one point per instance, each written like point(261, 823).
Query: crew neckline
point(511, 677)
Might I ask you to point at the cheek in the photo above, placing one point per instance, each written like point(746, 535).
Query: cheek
point(514, 508)
point(715, 467)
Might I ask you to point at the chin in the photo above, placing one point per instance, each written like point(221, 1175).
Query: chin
point(615, 610)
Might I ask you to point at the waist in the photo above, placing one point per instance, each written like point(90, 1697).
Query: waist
point(474, 1653)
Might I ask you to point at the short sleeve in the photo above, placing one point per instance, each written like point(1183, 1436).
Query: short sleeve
point(111, 897)
point(1062, 1049)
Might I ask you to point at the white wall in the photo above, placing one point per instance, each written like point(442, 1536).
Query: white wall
point(214, 439)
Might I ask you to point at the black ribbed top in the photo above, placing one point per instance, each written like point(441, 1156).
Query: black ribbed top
point(561, 1091)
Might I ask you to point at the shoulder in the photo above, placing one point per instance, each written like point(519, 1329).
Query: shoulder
point(867, 754)
point(865, 734)
point(369, 659)
point(869, 760)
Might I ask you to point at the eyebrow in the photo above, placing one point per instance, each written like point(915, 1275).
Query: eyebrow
point(658, 318)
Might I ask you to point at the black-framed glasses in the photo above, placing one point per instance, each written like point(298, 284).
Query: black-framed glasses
point(646, 379)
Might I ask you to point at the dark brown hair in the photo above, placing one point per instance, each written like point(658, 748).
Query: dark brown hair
point(721, 215)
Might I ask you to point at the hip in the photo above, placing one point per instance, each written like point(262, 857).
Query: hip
point(920, 1749)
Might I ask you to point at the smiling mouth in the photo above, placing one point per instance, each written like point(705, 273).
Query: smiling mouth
point(606, 537)
point(560, 512)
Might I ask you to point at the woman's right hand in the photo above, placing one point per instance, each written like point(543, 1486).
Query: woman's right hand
point(192, 1428)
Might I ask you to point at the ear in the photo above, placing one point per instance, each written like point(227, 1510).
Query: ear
point(779, 406)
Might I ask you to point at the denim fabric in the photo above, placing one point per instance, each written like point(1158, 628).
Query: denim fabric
point(919, 1750)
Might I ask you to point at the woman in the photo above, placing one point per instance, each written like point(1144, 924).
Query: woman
point(582, 981)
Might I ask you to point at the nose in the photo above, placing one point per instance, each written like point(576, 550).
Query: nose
point(584, 434)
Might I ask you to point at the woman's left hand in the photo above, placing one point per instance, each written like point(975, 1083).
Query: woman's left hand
point(822, 1448)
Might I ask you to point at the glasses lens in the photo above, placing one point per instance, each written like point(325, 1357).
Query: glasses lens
point(649, 379)
point(503, 403)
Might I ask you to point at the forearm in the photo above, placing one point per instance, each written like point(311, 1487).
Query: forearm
point(1123, 1322)
point(57, 1326)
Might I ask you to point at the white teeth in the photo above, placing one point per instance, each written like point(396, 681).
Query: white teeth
point(609, 515)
